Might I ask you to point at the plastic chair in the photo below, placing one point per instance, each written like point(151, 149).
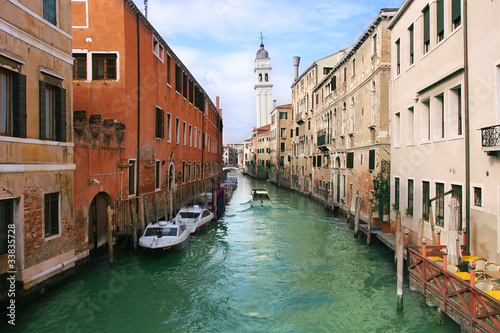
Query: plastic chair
point(483, 285)
point(452, 268)
point(480, 267)
point(492, 267)
point(439, 262)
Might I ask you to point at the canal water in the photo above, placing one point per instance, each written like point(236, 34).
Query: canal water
point(291, 267)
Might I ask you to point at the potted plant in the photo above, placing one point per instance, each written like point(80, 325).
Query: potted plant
point(382, 196)
point(409, 211)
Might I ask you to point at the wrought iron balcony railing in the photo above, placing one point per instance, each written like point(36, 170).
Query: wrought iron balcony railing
point(490, 138)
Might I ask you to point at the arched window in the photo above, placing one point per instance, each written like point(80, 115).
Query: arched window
point(267, 77)
point(260, 77)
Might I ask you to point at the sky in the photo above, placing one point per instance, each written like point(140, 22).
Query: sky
point(217, 40)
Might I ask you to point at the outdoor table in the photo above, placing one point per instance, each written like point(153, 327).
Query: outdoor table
point(469, 258)
point(463, 275)
point(493, 293)
point(493, 274)
point(434, 258)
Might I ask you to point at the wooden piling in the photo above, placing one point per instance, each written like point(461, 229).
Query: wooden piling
point(440, 316)
point(164, 200)
point(110, 236)
point(356, 216)
point(133, 217)
point(369, 236)
point(400, 261)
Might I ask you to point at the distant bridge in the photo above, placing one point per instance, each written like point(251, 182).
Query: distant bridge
point(232, 167)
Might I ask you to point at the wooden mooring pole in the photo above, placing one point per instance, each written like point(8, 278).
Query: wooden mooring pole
point(400, 260)
point(110, 236)
point(133, 217)
point(356, 215)
point(369, 236)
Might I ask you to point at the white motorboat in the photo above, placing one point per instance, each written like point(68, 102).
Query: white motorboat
point(194, 217)
point(260, 197)
point(165, 235)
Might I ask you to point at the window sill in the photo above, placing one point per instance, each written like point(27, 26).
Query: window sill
point(455, 138)
point(49, 238)
point(36, 141)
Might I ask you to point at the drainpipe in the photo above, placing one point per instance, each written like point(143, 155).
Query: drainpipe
point(467, 134)
point(138, 108)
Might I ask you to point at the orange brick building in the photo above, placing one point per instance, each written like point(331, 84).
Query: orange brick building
point(147, 136)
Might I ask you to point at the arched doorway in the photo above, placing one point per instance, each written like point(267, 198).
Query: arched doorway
point(98, 223)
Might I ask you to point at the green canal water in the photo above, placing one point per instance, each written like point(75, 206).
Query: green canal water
point(291, 267)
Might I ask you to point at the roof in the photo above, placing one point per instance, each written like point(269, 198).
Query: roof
point(384, 13)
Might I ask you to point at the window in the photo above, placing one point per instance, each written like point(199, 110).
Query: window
point(411, 37)
point(195, 138)
point(455, 105)
point(397, 129)
point(80, 66)
point(184, 133)
point(427, 28)
point(345, 74)
point(184, 85)
point(260, 77)
point(371, 159)
point(160, 123)
point(291, 133)
point(478, 197)
point(191, 91)
point(50, 11)
point(12, 104)
point(353, 67)
point(51, 218)
point(52, 107)
point(456, 13)
point(410, 126)
point(168, 68)
point(158, 175)
point(296, 131)
point(199, 138)
point(350, 160)
point(426, 120)
point(103, 66)
point(190, 136)
point(374, 44)
point(398, 57)
point(266, 77)
point(178, 78)
point(283, 133)
point(440, 20)
point(283, 115)
point(426, 192)
point(410, 196)
point(440, 205)
point(177, 133)
point(282, 160)
point(283, 145)
point(169, 127)
point(396, 190)
point(6, 219)
point(157, 48)
point(439, 117)
point(131, 177)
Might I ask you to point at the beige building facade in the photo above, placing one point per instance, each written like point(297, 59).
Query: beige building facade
point(36, 149)
point(280, 142)
point(351, 120)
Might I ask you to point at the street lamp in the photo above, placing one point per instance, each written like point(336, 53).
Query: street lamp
point(375, 184)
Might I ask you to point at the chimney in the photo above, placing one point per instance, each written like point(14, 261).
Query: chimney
point(274, 104)
point(296, 61)
point(217, 103)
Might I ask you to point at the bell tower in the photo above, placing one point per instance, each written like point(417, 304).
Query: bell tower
point(263, 86)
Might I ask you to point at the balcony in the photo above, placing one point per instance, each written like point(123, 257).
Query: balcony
point(490, 138)
point(300, 117)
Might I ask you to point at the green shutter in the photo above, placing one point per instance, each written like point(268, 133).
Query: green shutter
point(440, 16)
point(19, 105)
point(60, 115)
point(455, 10)
point(427, 35)
point(41, 102)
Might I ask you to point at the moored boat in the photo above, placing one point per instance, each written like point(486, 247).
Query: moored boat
point(164, 235)
point(194, 217)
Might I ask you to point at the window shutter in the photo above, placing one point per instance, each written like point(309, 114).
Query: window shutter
point(41, 102)
point(455, 10)
point(60, 115)
point(371, 164)
point(440, 16)
point(314, 162)
point(19, 105)
point(334, 83)
point(427, 35)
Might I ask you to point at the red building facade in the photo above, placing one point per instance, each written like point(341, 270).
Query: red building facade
point(147, 136)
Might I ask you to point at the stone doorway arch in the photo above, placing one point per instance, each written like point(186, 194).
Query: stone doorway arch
point(98, 221)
